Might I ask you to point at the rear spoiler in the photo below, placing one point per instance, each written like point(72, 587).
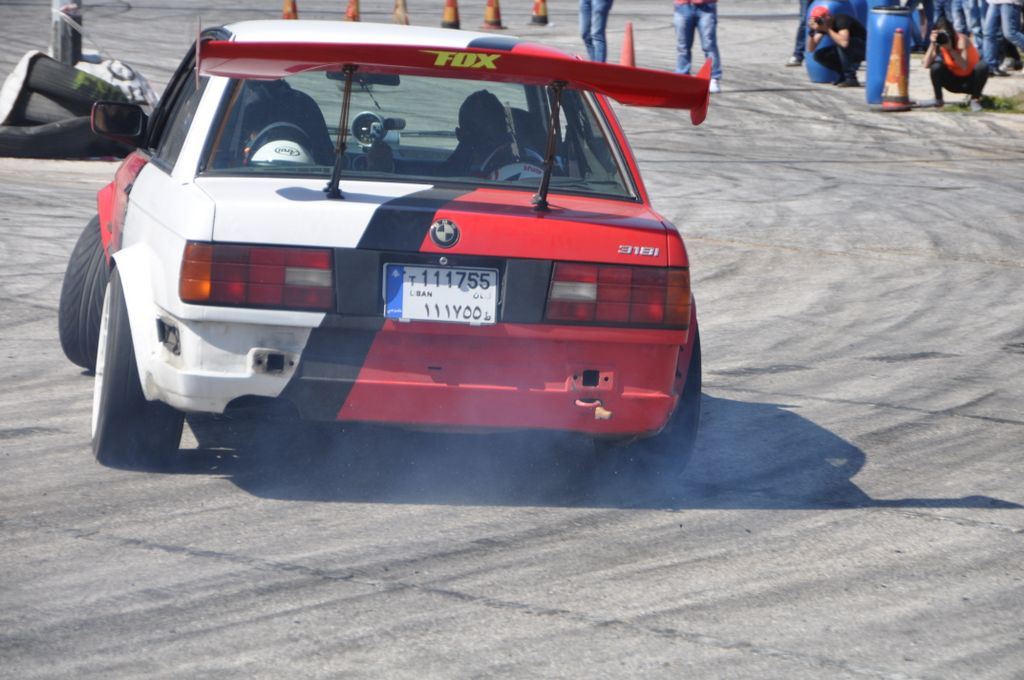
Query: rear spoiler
point(502, 60)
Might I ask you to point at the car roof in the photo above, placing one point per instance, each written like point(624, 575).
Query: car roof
point(346, 32)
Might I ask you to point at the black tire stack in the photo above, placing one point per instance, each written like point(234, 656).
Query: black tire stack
point(50, 117)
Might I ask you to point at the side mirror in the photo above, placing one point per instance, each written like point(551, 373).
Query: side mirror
point(125, 123)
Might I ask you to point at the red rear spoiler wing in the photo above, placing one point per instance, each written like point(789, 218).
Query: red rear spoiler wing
point(523, 63)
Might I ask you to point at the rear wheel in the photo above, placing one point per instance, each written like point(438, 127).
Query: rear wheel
point(81, 298)
point(668, 452)
point(127, 430)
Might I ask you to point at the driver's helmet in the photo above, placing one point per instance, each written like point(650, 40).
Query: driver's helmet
point(282, 151)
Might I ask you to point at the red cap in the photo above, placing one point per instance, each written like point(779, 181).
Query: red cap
point(819, 12)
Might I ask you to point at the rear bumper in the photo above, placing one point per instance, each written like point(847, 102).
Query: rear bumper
point(446, 376)
point(503, 376)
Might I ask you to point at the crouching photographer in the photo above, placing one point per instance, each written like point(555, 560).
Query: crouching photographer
point(846, 52)
point(954, 64)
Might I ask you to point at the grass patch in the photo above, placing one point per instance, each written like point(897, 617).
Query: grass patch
point(1014, 104)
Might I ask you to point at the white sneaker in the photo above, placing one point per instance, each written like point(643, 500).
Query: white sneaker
point(715, 88)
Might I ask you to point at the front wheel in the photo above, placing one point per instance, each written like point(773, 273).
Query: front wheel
point(668, 452)
point(127, 430)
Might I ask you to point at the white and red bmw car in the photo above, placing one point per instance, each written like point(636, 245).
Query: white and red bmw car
point(386, 224)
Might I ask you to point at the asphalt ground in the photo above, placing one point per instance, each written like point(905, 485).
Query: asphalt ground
point(853, 509)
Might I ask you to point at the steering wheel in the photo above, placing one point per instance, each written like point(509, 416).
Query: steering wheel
point(528, 164)
point(276, 131)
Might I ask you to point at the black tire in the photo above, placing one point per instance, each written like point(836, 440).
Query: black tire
point(81, 298)
point(127, 430)
point(38, 109)
point(67, 85)
point(668, 452)
point(71, 138)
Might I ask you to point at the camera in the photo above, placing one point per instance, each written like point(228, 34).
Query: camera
point(942, 38)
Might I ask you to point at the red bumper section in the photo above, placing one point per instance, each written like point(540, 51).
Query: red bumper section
point(593, 380)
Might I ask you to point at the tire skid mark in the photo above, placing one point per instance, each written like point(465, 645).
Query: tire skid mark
point(913, 356)
point(759, 370)
point(354, 576)
point(18, 432)
point(950, 412)
point(961, 521)
point(857, 253)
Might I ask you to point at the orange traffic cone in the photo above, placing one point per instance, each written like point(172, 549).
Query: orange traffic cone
point(401, 14)
point(628, 57)
point(540, 13)
point(290, 11)
point(894, 94)
point(492, 15)
point(450, 18)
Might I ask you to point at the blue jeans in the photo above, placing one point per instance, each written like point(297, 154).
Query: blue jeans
point(967, 19)
point(921, 36)
point(1001, 21)
point(800, 46)
point(704, 18)
point(593, 19)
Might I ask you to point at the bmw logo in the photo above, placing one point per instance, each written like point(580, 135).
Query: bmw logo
point(444, 233)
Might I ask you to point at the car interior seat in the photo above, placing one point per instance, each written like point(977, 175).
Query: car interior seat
point(276, 105)
point(530, 132)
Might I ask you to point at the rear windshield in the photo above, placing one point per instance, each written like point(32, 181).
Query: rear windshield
point(415, 129)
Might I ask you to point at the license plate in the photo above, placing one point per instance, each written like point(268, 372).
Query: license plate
point(449, 294)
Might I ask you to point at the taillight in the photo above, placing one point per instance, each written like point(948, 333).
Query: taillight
point(257, 276)
point(617, 295)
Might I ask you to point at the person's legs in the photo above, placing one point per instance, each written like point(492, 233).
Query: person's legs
point(1011, 52)
point(958, 10)
point(850, 58)
point(1010, 24)
point(976, 81)
point(685, 20)
point(828, 57)
point(992, 36)
point(585, 13)
point(944, 79)
point(937, 71)
point(928, 15)
point(707, 23)
point(800, 46)
point(973, 14)
point(598, 22)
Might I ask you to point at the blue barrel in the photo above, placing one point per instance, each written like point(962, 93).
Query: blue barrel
point(860, 8)
point(881, 28)
point(917, 39)
point(815, 71)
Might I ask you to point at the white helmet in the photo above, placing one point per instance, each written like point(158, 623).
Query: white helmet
point(282, 151)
